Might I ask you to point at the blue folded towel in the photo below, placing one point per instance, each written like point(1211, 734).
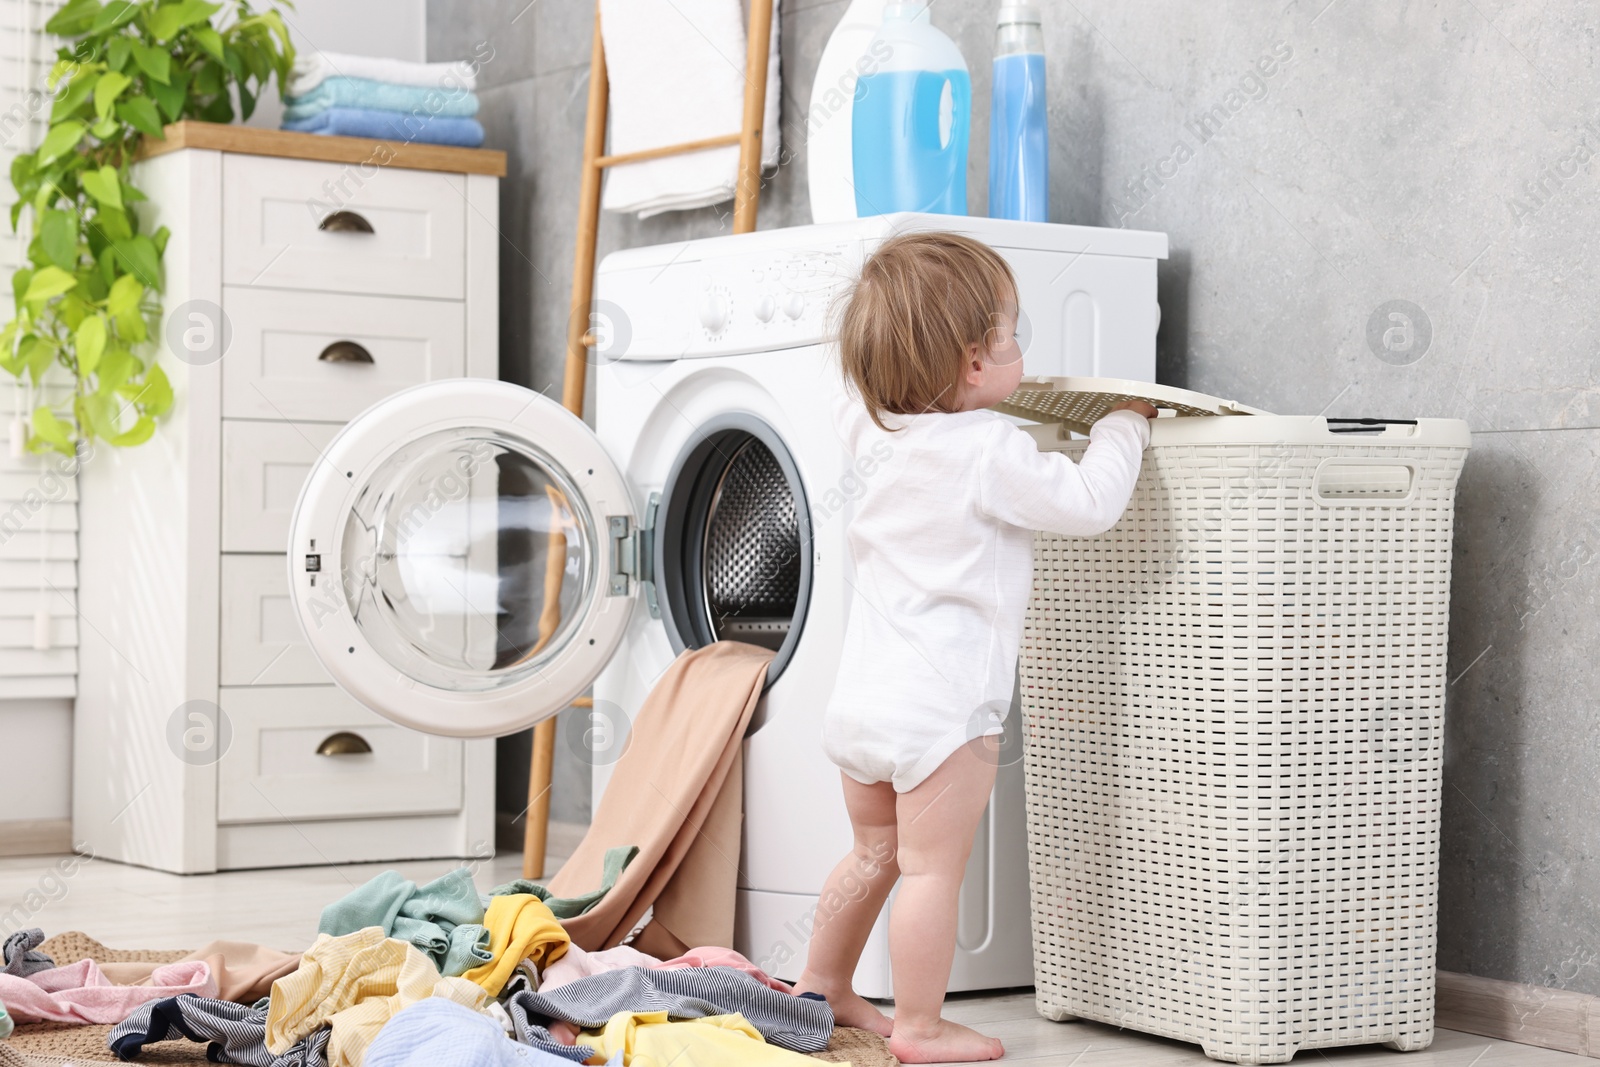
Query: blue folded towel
point(454, 101)
point(392, 126)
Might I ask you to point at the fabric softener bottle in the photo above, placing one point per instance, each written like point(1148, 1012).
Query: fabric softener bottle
point(910, 119)
point(1019, 158)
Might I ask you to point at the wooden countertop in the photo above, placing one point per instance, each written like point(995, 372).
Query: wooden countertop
point(250, 140)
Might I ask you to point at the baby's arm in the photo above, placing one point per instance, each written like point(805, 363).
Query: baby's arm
point(1021, 485)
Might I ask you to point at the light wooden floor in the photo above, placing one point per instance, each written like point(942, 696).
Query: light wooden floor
point(129, 907)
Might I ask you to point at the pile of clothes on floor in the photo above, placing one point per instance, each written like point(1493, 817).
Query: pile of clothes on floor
point(408, 975)
point(384, 99)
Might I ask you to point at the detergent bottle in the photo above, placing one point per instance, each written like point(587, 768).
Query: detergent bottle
point(1019, 162)
point(910, 119)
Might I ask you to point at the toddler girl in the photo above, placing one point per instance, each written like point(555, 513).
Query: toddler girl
point(942, 542)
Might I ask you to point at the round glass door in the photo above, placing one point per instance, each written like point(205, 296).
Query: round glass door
point(452, 559)
point(467, 558)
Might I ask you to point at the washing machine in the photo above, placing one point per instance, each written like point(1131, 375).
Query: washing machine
point(469, 557)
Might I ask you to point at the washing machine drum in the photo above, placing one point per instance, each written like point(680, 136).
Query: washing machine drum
point(733, 537)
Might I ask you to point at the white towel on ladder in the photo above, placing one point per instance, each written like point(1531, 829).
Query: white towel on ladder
point(676, 72)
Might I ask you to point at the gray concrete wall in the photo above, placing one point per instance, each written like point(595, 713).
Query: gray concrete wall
point(1437, 153)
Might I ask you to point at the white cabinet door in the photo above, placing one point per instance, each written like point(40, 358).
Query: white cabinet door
point(295, 752)
point(326, 356)
point(261, 640)
point(295, 224)
point(264, 464)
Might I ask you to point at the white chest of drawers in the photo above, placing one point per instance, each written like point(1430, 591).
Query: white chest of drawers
point(206, 735)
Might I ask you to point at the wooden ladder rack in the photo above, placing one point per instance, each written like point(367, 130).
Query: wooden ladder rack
point(747, 191)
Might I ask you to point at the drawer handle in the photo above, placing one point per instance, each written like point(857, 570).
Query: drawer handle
point(345, 352)
point(343, 743)
point(344, 222)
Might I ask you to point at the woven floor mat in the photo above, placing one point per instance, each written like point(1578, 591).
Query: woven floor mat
point(49, 1044)
point(862, 1048)
point(74, 945)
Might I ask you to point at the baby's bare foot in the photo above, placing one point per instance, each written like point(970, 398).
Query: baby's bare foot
point(564, 1032)
point(848, 1008)
point(945, 1042)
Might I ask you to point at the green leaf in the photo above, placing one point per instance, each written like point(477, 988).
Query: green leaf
point(91, 343)
point(140, 113)
point(52, 430)
point(153, 61)
point(58, 234)
point(111, 224)
point(19, 284)
point(72, 100)
point(117, 13)
point(156, 396)
point(48, 282)
point(74, 19)
point(107, 89)
point(138, 256)
point(170, 96)
point(118, 51)
point(247, 102)
point(103, 185)
point(165, 22)
point(61, 139)
point(211, 41)
point(116, 366)
point(37, 355)
point(137, 434)
point(106, 128)
point(126, 292)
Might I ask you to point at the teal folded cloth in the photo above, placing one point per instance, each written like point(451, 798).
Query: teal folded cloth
point(443, 919)
point(616, 860)
point(445, 101)
point(6, 1025)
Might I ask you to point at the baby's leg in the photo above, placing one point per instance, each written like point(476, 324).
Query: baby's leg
point(850, 902)
point(937, 822)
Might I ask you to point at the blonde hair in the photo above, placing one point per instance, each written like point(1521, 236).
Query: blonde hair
point(922, 300)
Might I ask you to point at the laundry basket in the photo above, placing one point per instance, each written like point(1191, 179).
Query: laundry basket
point(1233, 704)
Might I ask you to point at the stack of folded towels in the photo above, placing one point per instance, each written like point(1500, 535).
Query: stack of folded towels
point(385, 99)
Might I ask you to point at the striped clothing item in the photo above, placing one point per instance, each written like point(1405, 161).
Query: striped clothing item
point(237, 1033)
point(798, 1023)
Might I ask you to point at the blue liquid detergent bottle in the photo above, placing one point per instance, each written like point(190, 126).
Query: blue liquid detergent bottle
point(911, 118)
point(1019, 156)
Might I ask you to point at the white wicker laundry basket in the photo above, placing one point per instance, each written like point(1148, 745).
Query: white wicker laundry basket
point(1233, 705)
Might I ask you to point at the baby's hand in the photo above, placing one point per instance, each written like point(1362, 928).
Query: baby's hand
point(1138, 407)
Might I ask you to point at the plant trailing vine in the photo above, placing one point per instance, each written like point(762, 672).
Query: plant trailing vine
point(89, 296)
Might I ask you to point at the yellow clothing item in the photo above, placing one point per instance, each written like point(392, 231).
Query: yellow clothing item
point(520, 928)
point(356, 983)
point(648, 1039)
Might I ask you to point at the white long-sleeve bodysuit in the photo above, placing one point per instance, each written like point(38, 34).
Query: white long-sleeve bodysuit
point(942, 542)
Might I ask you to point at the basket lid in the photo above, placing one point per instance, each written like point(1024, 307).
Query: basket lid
point(1078, 403)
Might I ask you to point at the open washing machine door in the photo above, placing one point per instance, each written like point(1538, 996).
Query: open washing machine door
point(463, 558)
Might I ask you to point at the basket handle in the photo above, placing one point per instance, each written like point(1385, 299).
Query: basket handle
point(1363, 481)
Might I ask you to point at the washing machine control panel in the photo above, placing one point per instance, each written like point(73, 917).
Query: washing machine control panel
point(766, 299)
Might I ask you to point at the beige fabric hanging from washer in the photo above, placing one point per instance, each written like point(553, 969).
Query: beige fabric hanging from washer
point(677, 793)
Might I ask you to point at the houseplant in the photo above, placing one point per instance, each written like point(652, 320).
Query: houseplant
point(89, 296)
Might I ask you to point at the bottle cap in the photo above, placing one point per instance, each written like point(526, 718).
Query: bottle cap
point(1023, 12)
